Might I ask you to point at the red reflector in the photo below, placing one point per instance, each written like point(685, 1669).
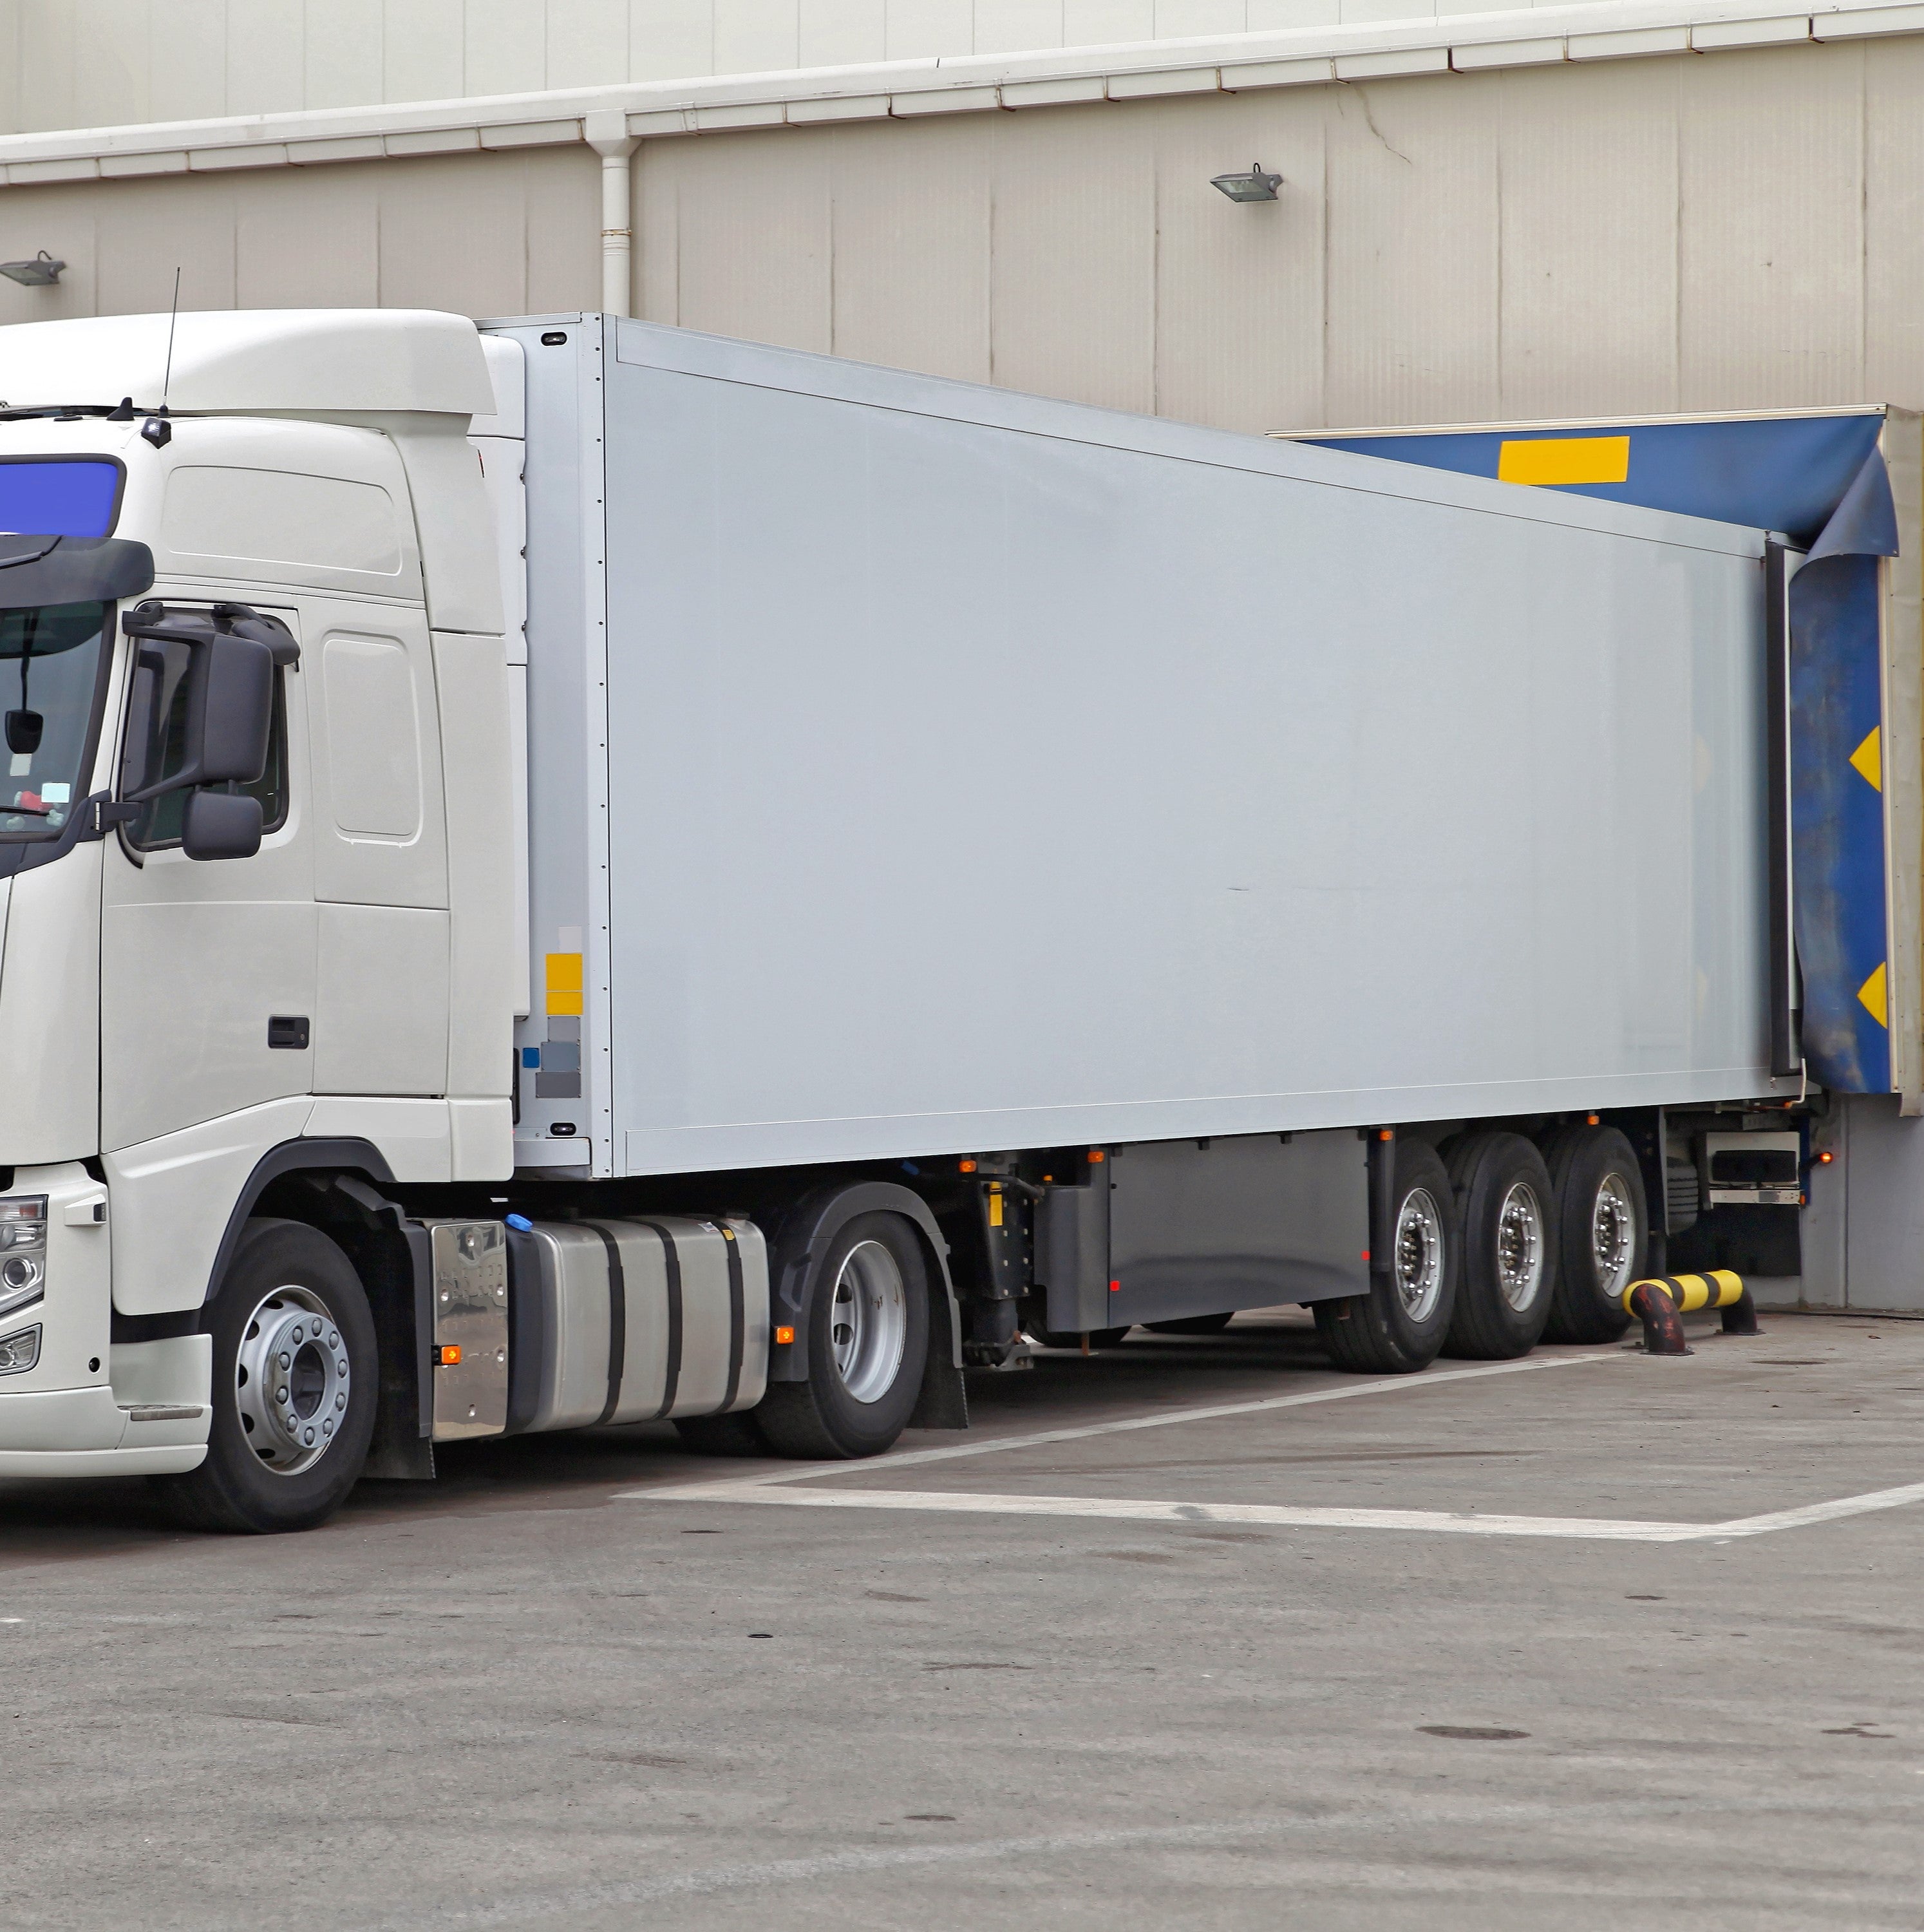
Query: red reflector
point(1365, 1254)
point(1115, 1288)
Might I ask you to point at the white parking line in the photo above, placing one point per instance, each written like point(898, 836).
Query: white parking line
point(803, 1472)
point(781, 1486)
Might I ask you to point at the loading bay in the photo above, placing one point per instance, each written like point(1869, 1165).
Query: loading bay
point(1193, 1632)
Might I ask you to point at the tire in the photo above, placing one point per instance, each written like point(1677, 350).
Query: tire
point(1193, 1324)
point(739, 1435)
point(1399, 1327)
point(868, 1328)
point(1603, 1231)
point(1507, 1206)
point(260, 1477)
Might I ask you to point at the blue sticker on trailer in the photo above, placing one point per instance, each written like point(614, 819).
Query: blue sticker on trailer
point(66, 497)
point(1820, 480)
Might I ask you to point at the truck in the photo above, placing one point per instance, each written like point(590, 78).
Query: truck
point(563, 871)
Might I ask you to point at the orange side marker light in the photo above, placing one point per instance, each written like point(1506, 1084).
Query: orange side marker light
point(785, 1336)
point(448, 1355)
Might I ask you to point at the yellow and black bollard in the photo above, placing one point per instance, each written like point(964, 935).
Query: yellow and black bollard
point(1661, 1305)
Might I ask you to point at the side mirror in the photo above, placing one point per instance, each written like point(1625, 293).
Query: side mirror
point(220, 825)
point(229, 715)
point(230, 723)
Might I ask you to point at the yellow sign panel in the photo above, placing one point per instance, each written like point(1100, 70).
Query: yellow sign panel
point(1565, 459)
point(563, 982)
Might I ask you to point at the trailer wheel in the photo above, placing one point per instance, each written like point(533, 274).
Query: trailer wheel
point(868, 1325)
point(1602, 1227)
point(296, 1376)
point(1399, 1327)
point(1193, 1324)
point(1507, 1206)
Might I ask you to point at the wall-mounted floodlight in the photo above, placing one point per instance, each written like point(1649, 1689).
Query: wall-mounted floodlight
point(42, 272)
point(1255, 185)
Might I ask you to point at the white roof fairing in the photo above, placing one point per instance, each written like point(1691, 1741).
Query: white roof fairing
point(332, 361)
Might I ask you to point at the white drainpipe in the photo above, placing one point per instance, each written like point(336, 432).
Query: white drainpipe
point(608, 134)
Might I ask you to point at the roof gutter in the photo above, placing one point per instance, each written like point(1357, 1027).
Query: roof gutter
point(1471, 42)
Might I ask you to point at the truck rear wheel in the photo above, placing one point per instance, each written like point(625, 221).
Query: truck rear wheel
point(867, 1325)
point(1507, 1206)
point(1602, 1227)
point(296, 1377)
point(1399, 1327)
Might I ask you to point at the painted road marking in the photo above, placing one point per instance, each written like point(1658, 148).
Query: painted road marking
point(803, 1472)
point(781, 1486)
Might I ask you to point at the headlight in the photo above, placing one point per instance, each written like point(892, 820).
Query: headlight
point(22, 1251)
point(19, 1351)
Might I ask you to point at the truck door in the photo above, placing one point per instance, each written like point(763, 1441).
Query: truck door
point(380, 851)
point(207, 969)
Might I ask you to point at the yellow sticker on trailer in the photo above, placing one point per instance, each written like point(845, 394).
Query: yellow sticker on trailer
point(563, 982)
point(1547, 462)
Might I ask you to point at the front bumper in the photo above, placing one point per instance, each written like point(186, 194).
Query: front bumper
point(88, 1407)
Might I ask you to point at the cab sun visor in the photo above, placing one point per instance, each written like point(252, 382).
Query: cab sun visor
point(36, 570)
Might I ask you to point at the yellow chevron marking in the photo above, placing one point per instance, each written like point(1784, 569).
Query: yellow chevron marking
point(1869, 760)
point(1870, 998)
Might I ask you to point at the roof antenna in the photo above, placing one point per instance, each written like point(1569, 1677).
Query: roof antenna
point(157, 430)
point(173, 316)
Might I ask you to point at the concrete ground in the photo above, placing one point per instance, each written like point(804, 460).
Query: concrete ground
point(548, 1692)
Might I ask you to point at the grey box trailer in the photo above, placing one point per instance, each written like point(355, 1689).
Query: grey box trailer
point(923, 775)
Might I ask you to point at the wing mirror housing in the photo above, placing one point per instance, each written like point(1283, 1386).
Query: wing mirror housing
point(226, 717)
point(229, 712)
point(220, 825)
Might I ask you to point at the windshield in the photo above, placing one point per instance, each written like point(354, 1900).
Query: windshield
point(50, 662)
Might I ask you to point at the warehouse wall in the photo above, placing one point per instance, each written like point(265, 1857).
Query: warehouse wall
point(1736, 231)
point(105, 63)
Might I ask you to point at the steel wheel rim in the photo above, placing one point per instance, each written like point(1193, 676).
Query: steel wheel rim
point(1419, 1254)
point(868, 1320)
point(292, 1380)
point(1613, 1235)
point(1520, 1246)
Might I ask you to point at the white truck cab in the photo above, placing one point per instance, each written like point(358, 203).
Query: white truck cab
point(315, 946)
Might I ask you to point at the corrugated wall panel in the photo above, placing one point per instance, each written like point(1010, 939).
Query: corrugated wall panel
point(1589, 196)
point(1412, 246)
point(1238, 293)
point(1894, 219)
point(752, 235)
point(911, 275)
point(1500, 245)
point(1073, 306)
point(1771, 192)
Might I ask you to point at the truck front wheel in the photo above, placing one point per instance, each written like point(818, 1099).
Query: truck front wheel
point(295, 1380)
point(1399, 1326)
point(867, 1326)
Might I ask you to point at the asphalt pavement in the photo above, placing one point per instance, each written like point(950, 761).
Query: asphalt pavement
point(1597, 1640)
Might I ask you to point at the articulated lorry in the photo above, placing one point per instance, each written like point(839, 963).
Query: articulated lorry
point(568, 872)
